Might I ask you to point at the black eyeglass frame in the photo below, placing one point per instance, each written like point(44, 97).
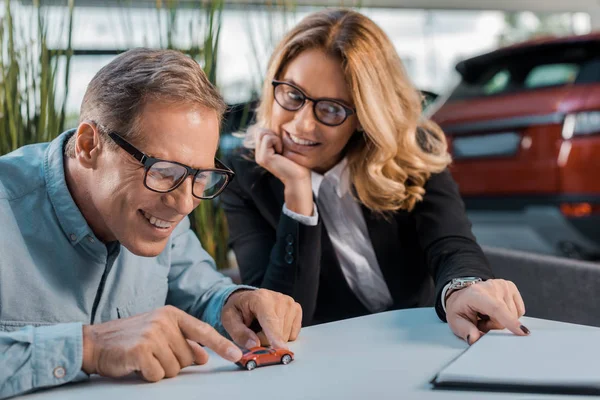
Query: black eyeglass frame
point(349, 111)
point(148, 161)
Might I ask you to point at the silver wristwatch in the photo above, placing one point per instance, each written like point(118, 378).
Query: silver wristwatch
point(460, 283)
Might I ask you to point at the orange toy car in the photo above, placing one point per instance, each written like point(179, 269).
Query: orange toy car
point(259, 356)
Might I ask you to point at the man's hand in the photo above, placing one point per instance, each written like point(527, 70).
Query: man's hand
point(279, 316)
point(156, 344)
point(493, 304)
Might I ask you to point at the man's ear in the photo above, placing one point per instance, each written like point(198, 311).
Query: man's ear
point(88, 145)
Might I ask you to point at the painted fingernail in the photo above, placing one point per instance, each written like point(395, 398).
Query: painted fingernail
point(233, 354)
point(251, 343)
point(469, 340)
point(525, 330)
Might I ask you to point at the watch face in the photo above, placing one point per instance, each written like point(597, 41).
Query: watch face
point(462, 282)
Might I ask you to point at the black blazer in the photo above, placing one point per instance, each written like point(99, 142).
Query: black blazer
point(418, 252)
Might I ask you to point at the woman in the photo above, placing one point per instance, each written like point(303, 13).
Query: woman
point(343, 199)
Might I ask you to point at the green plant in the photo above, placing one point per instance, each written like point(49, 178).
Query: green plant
point(29, 108)
point(280, 17)
point(208, 219)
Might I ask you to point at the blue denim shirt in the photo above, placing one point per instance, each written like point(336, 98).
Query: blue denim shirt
point(56, 276)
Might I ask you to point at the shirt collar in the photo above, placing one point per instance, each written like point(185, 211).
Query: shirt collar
point(339, 175)
point(72, 222)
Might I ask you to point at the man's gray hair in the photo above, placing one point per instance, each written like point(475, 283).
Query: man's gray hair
point(117, 94)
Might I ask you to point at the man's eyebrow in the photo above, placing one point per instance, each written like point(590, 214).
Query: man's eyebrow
point(153, 155)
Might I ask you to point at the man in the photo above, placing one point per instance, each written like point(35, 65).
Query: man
point(100, 272)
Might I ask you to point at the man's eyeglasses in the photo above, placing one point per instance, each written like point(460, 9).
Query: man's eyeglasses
point(164, 176)
point(327, 111)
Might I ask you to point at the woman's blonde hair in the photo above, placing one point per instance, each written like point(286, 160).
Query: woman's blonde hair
point(399, 149)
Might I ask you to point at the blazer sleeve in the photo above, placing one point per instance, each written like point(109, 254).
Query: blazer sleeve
point(444, 232)
point(285, 259)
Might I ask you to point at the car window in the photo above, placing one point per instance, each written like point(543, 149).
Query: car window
point(261, 352)
point(528, 69)
point(498, 83)
point(551, 75)
point(502, 144)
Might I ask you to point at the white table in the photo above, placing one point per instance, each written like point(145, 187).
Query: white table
point(391, 355)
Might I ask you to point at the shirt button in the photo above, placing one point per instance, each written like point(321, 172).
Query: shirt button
point(289, 249)
point(289, 239)
point(59, 372)
point(73, 237)
point(91, 239)
point(289, 259)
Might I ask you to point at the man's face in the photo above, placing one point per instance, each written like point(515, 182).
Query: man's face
point(143, 220)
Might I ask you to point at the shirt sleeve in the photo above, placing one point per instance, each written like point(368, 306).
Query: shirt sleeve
point(312, 220)
point(443, 295)
point(39, 357)
point(195, 285)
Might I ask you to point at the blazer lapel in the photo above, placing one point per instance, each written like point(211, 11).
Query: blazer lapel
point(384, 238)
point(335, 295)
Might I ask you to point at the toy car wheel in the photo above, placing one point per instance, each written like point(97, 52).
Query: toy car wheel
point(250, 365)
point(286, 359)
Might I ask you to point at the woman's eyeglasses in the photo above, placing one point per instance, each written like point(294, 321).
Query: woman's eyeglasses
point(327, 111)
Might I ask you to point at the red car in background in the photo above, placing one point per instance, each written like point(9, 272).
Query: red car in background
point(523, 128)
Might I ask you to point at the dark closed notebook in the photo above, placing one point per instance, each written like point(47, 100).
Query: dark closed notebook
point(565, 361)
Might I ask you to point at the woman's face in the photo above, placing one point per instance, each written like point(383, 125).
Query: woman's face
point(306, 140)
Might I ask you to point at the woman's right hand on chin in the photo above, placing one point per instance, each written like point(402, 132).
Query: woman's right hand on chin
point(295, 177)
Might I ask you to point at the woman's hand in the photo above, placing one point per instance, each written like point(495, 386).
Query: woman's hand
point(296, 178)
point(493, 304)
